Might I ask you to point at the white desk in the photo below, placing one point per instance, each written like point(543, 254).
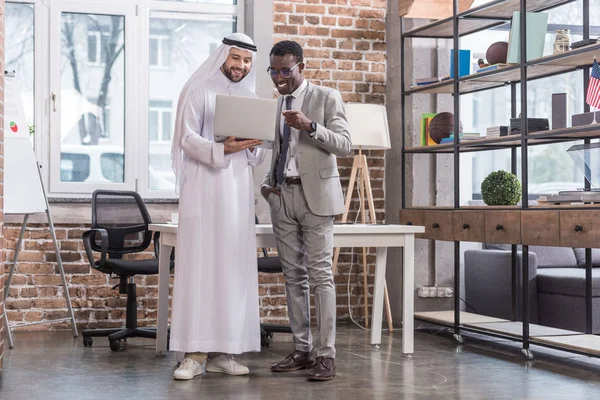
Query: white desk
point(355, 235)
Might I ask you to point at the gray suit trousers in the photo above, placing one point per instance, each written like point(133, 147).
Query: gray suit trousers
point(305, 248)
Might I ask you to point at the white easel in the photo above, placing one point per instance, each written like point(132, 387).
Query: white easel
point(24, 192)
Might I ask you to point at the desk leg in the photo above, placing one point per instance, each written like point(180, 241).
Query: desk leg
point(376, 321)
point(408, 295)
point(164, 262)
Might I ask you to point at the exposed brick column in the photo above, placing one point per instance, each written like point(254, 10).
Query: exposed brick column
point(344, 47)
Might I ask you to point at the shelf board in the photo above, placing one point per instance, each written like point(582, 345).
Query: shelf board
point(515, 329)
point(539, 68)
point(447, 317)
point(479, 18)
point(496, 143)
point(583, 343)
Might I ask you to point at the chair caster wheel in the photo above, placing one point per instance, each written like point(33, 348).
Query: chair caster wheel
point(265, 338)
point(115, 345)
point(88, 341)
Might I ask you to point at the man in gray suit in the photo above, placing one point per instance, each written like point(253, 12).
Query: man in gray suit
point(304, 193)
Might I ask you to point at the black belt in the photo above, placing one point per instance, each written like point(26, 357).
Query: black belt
point(292, 181)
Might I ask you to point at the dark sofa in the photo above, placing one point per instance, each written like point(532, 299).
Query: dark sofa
point(556, 285)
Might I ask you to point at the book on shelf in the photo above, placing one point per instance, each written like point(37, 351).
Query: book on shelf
point(425, 138)
point(537, 24)
point(492, 67)
point(429, 81)
point(496, 131)
point(462, 136)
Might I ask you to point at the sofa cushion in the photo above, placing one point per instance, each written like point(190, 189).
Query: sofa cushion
point(554, 257)
point(547, 256)
point(567, 281)
point(580, 256)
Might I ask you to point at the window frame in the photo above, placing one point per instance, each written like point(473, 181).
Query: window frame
point(167, 9)
point(137, 37)
point(160, 122)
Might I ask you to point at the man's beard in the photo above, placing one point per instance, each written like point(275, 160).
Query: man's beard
point(228, 73)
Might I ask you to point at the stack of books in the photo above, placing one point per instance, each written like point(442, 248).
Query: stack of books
point(462, 136)
point(496, 131)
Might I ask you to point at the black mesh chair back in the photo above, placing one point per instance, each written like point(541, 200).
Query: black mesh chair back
point(125, 218)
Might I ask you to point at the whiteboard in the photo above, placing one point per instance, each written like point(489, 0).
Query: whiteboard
point(23, 191)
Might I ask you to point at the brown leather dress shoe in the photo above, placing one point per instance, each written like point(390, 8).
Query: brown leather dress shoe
point(323, 370)
point(295, 361)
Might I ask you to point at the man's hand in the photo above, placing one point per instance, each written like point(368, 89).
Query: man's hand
point(297, 120)
point(233, 146)
point(267, 190)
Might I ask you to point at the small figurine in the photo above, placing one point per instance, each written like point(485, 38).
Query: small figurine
point(482, 63)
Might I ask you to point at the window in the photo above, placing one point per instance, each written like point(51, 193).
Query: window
point(550, 167)
point(160, 51)
point(105, 127)
point(191, 39)
point(100, 39)
point(159, 122)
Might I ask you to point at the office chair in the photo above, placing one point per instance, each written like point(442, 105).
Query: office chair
point(270, 265)
point(120, 226)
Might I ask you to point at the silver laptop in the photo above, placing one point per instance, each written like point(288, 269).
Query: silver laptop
point(245, 118)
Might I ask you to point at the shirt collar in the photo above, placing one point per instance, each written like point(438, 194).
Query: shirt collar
point(299, 89)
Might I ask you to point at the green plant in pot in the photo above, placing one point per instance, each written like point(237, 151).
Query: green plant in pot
point(501, 188)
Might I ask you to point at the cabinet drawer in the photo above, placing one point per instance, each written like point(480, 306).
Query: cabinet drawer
point(580, 228)
point(503, 226)
point(438, 225)
point(468, 226)
point(414, 217)
point(540, 228)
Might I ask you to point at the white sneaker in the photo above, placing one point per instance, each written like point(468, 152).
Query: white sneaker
point(188, 369)
point(225, 364)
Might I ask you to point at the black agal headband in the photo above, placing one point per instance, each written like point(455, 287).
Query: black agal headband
point(237, 43)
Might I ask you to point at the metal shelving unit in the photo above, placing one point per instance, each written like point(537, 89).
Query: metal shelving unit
point(487, 16)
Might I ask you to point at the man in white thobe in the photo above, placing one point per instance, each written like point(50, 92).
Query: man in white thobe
point(215, 295)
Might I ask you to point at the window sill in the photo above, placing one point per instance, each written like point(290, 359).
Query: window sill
point(69, 211)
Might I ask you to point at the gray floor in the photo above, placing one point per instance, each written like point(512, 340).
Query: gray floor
point(53, 365)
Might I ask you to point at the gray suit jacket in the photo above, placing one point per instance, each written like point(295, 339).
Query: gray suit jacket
point(317, 163)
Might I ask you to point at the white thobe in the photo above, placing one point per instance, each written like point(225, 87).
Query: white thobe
point(215, 294)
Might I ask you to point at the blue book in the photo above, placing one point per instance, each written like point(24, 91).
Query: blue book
point(464, 63)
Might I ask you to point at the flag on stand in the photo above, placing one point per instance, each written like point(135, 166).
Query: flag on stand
point(593, 92)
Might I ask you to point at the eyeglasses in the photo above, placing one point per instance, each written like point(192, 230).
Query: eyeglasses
point(284, 72)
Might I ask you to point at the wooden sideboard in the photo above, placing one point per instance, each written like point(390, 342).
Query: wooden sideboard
point(568, 227)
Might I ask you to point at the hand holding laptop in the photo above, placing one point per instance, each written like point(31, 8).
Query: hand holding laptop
point(233, 145)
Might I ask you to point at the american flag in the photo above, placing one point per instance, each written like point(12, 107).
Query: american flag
point(593, 93)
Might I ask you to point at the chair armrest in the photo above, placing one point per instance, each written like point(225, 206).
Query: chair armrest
point(87, 243)
point(155, 239)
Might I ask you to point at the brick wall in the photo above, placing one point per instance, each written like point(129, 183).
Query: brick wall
point(344, 43)
point(344, 48)
point(2, 273)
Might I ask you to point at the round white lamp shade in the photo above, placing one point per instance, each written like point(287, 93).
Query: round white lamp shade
point(368, 126)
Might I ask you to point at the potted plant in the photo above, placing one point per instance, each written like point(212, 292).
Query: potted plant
point(501, 188)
